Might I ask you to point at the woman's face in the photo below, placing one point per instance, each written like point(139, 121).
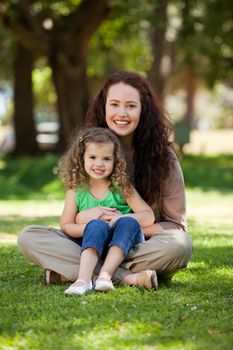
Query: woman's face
point(123, 109)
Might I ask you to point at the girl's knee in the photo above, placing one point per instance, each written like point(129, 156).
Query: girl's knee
point(96, 229)
point(97, 223)
point(127, 221)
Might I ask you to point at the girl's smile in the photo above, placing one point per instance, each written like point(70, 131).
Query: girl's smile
point(99, 160)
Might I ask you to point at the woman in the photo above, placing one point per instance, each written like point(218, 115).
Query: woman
point(127, 105)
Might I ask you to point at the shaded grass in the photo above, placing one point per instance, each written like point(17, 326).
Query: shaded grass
point(30, 178)
point(207, 173)
point(12, 224)
point(33, 178)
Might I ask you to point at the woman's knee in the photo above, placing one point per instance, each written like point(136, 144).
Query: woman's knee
point(181, 246)
point(31, 236)
point(24, 237)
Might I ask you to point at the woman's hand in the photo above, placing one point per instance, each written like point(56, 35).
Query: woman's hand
point(101, 213)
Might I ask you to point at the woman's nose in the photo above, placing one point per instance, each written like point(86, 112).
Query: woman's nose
point(123, 112)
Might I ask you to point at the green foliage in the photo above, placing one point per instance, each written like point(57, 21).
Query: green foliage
point(52, 8)
point(204, 42)
point(45, 95)
point(122, 41)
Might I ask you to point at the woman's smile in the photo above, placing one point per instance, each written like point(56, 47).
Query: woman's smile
point(123, 109)
point(121, 123)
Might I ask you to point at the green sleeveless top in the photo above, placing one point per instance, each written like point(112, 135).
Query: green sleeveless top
point(85, 200)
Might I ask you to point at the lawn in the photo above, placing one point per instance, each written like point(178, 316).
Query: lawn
point(192, 312)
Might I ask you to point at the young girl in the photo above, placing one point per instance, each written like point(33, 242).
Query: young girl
point(94, 173)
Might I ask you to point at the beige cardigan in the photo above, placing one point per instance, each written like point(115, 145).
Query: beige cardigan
point(170, 209)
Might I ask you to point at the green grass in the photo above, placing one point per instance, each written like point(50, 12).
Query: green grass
point(192, 312)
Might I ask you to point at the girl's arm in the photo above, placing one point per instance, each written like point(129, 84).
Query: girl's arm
point(67, 221)
point(84, 216)
point(142, 212)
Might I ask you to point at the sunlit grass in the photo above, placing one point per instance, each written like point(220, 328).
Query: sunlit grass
point(193, 312)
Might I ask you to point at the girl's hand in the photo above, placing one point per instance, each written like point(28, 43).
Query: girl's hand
point(114, 218)
point(84, 216)
point(111, 215)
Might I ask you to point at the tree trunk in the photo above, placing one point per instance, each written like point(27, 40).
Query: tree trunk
point(72, 95)
point(25, 130)
point(157, 74)
point(190, 98)
point(65, 44)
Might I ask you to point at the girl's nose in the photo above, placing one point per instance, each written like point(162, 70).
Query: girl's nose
point(99, 162)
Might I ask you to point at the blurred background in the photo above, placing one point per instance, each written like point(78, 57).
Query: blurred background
point(55, 55)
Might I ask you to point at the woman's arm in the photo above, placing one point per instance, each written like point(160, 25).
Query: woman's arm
point(67, 221)
point(152, 230)
point(173, 202)
point(172, 208)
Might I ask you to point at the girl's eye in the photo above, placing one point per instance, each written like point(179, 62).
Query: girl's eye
point(113, 104)
point(107, 159)
point(92, 157)
point(132, 106)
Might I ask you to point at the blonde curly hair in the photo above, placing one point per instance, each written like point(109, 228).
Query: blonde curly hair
point(71, 166)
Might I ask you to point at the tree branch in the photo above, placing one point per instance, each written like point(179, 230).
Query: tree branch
point(25, 29)
point(88, 16)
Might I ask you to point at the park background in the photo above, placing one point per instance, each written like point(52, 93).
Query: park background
point(54, 55)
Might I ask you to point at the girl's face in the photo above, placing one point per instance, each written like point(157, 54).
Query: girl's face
point(99, 160)
point(123, 109)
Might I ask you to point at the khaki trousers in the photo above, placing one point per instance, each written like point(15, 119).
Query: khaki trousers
point(52, 249)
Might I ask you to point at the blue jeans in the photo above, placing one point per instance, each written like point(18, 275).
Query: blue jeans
point(125, 233)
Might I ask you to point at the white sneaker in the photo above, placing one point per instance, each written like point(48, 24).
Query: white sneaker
point(79, 287)
point(104, 283)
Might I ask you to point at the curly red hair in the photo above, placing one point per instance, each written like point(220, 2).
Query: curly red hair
point(153, 156)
